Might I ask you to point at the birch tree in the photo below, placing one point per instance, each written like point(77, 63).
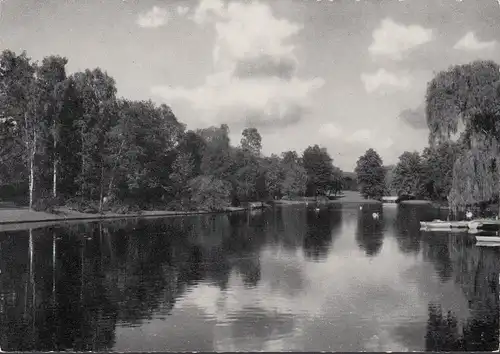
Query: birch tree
point(20, 103)
point(53, 85)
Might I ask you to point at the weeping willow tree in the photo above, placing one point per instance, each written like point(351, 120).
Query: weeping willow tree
point(464, 102)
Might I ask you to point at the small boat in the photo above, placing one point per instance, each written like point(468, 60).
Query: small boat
point(390, 201)
point(488, 239)
point(439, 224)
point(487, 244)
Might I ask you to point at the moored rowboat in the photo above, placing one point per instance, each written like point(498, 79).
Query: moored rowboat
point(439, 224)
point(487, 244)
point(488, 239)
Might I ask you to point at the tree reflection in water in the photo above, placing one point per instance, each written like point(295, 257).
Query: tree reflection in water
point(320, 232)
point(370, 230)
point(121, 274)
point(476, 271)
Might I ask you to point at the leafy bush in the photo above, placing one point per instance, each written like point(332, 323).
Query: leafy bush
point(46, 204)
point(119, 207)
point(209, 193)
point(83, 206)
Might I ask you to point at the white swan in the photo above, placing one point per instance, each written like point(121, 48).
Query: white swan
point(375, 215)
point(468, 215)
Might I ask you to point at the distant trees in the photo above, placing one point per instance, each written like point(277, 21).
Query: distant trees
point(389, 176)
point(370, 175)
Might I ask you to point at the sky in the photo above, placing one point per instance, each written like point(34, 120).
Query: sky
point(345, 74)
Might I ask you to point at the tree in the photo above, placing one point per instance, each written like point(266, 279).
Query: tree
point(437, 169)
point(251, 141)
point(97, 94)
point(320, 173)
point(294, 180)
point(274, 175)
point(53, 85)
point(143, 149)
point(389, 175)
point(370, 175)
point(216, 159)
point(21, 102)
point(466, 97)
point(407, 175)
point(182, 171)
point(209, 193)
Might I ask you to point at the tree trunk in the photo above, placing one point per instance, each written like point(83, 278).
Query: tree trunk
point(82, 151)
point(54, 172)
point(32, 171)
point(102, 188)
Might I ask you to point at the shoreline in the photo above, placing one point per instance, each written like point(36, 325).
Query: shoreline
point(12, 219)
point(21, 218)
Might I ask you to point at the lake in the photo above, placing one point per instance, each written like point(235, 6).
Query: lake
point(284, 279)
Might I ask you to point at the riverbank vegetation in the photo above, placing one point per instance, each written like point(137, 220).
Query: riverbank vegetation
point(461, 163)
point(70, 140)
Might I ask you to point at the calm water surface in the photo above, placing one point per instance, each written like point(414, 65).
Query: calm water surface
point(283, 279)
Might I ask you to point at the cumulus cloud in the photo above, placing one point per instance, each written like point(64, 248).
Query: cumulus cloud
point(208, 10)
point(265, 66)
point(360, 136)
point(156, 17)
point(394, 40)
point(471, 43)
point(254, 81)
point(415, 118)
point(159, 16)
point(330, 130)
point(182, 10)
point(384, 82)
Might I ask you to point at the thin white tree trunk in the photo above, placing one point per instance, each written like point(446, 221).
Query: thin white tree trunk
point(101, 196)
point(54, 176)
point(32, 171)
point(54, 265)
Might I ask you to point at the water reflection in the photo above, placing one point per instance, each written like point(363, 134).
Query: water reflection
point(369, 231)
point(290, 278)
point(320, 227)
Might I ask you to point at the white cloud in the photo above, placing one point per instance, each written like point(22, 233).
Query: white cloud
point(471, 42)
point(182, 10)
point(255, 80)
point(208, 9)
point(394, 40)
point(156, 17)
point(384, 82)
point(360, 136)
point(330, 130)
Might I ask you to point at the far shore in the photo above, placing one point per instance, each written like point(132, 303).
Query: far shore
point(21, 218)
point(346, 197)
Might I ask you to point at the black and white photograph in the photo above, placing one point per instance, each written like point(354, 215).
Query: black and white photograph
point(249, 175)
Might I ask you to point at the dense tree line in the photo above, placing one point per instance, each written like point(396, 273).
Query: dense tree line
point(68, 139)
point(428, 175)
